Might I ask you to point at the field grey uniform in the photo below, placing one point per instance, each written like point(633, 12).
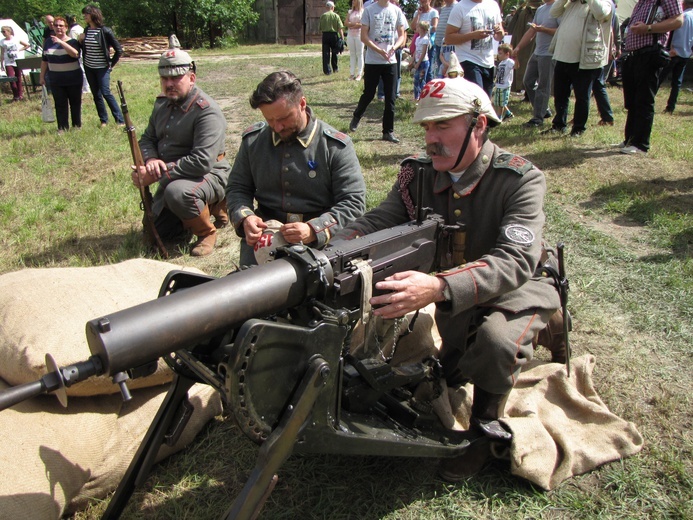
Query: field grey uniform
point(189, 138)
point(315, 178)
point(497, 303)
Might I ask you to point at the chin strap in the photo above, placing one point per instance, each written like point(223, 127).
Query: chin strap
point(472, 126)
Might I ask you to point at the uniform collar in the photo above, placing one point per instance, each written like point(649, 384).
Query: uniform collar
point(188, 101)
point(305, 137)
point(472, 175)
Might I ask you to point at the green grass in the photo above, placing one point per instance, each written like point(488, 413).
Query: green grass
point(626, 222)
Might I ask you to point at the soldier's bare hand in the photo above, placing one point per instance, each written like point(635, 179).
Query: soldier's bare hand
point(253, 227)
point(140, 177)
point(409, 291)
point(156, 168)
point(297, 232)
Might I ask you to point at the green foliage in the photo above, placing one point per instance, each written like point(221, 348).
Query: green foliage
point(29, 10)
point(197, 23)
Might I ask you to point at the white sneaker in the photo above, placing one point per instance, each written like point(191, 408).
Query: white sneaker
point(622, 144)
point(632, 150)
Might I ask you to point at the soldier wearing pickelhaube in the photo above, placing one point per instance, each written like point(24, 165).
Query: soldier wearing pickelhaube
point(183, 150)
point(491, 301)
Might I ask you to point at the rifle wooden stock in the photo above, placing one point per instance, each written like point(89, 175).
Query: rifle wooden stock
point(145, 193)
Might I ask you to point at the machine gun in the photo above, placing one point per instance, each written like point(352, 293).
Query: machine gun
point(275, 341)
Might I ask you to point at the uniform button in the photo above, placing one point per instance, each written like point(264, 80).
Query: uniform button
point(285, 169)
point(458, 212)
point(484, 159)
point(288, 204)
point(288, 194)
point(287, 183)
point(455, 195)
point(287, 155)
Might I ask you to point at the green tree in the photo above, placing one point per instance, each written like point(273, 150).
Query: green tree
point(197, 23)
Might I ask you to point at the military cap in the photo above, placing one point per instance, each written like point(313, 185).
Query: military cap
point(447, 98)
point(175, 62)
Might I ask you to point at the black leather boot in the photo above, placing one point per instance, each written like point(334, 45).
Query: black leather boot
point(487, 408)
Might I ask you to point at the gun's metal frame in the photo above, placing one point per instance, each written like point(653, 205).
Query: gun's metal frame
point(280, 356)
point(285, 379)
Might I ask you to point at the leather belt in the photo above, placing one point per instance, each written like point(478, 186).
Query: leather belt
point(286, 218)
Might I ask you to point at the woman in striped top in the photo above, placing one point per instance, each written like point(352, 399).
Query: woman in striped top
point(61, 63)
point(97, 42)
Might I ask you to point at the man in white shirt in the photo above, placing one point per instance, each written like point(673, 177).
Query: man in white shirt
point(382, 31)
point(472, 27)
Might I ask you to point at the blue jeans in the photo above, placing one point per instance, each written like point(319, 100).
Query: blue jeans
point(433, 53)
point(479, 75)
point(676, 68)
point(420, 75)
point(100, 83)
point(601, 97)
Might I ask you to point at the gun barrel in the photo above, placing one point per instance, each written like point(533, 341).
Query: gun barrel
point(133, 337)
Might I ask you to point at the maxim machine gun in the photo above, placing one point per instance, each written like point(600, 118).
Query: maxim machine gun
point(275, 340)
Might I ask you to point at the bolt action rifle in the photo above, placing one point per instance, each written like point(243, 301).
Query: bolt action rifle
point(145, 194)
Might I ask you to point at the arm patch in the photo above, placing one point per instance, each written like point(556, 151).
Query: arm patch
point(512, 162)
point(254, 128)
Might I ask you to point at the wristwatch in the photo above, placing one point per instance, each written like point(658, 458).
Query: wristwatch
point(649, 28)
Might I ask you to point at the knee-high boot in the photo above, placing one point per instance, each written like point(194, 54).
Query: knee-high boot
point(204, 230)
point(218, 211)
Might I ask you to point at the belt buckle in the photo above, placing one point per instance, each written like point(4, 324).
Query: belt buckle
point(294, 217)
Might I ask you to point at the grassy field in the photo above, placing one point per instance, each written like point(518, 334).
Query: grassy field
point(66, 200)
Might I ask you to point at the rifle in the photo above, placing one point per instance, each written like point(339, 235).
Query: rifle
point(145, 194)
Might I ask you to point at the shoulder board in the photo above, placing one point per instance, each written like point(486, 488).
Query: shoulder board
point(337, 136)
point(254, 128)
point(419, 157)
point(510, 161)
point(202, 103)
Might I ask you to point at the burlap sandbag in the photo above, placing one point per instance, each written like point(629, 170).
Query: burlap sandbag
point(560, 426)
point(54, 459)
point(46, 310)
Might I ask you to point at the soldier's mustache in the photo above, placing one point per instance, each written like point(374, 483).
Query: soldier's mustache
point(437, 149)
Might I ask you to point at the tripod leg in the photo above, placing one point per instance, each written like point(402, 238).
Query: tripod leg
point(144, 458)
point(279, 445)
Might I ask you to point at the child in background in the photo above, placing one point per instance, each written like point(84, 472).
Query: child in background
point(504, 78)
point(445, 52)
point(420, 62)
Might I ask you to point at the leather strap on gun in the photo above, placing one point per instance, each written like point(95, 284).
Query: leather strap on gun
point(145, 193)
